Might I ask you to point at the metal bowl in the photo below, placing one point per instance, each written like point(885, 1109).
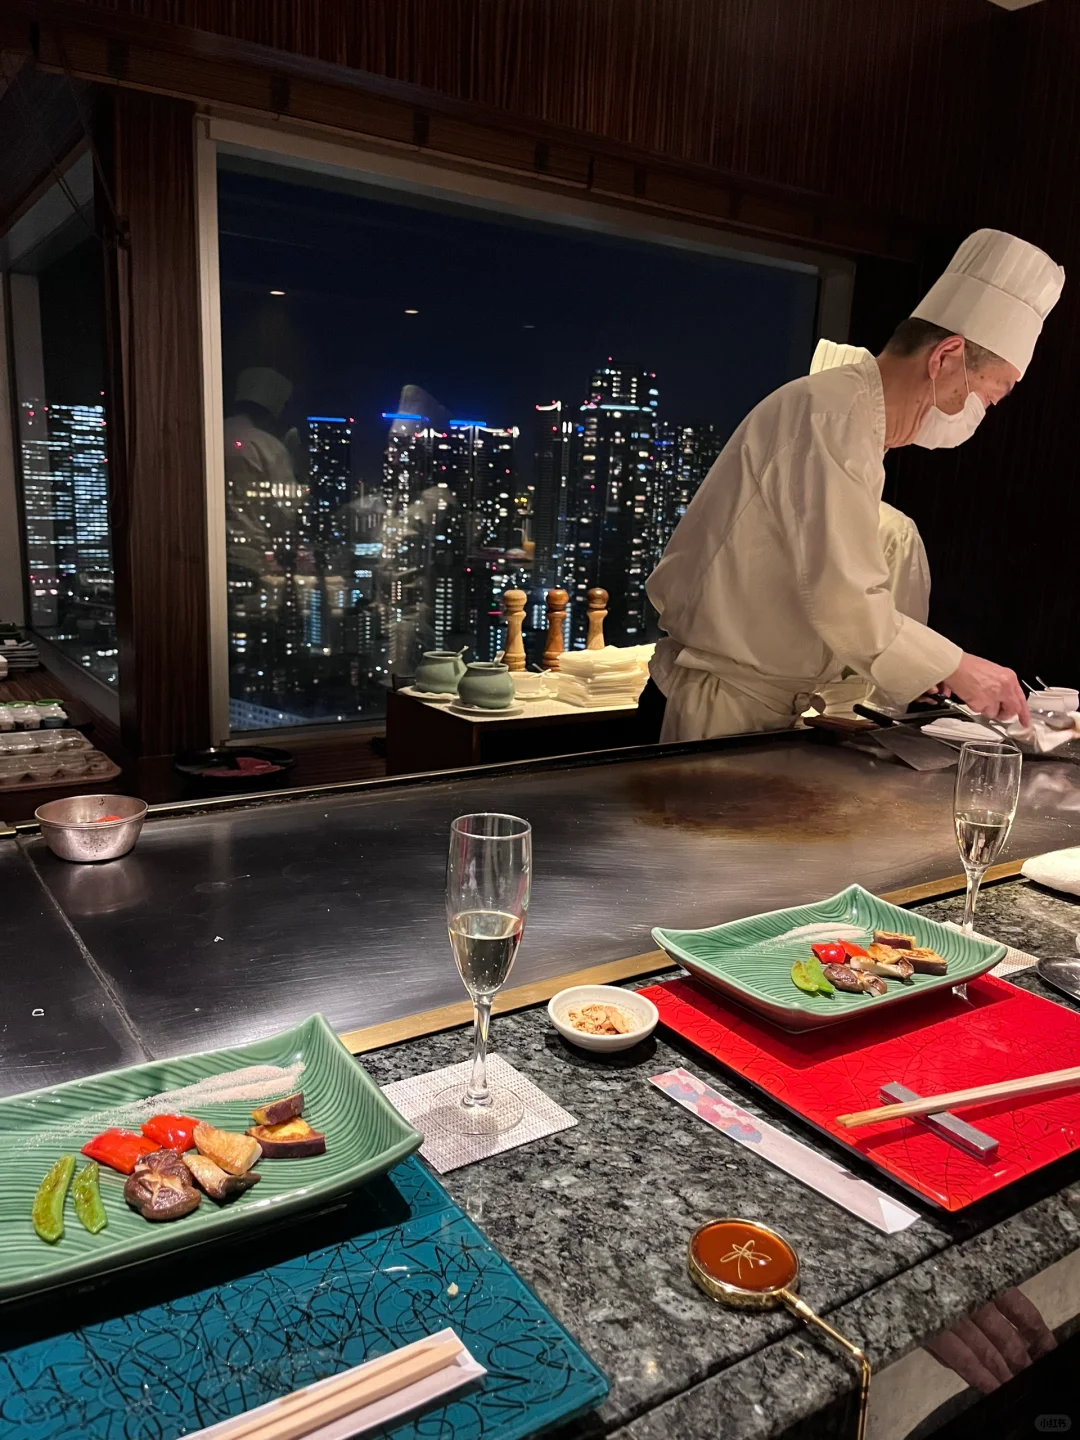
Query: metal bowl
point(73, 828)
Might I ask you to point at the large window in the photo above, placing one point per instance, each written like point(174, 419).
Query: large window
point(56, 282)
point(427, 402)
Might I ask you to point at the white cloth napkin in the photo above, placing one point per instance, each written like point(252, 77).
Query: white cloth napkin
point(1040, 736)
point(1058, 870)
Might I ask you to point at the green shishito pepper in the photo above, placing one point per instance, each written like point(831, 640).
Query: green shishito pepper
point(48, 1211)
point(87, 1197)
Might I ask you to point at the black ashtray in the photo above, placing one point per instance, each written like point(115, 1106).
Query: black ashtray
point(236, 767)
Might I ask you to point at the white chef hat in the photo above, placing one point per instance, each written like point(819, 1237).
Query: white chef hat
point(997, 292)
point(830, 353)
point(264, 387)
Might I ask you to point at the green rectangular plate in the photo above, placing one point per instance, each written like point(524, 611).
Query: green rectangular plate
point(749, 961)
point(365, 1135)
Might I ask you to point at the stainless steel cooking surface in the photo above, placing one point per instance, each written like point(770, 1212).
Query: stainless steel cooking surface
point(227, 926)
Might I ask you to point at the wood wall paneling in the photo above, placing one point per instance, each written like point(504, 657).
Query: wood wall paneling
point(159, 506)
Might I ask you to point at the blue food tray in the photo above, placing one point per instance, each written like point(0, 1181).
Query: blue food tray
point(225, 1329)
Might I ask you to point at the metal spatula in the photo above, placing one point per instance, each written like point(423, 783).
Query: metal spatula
point(919, 751)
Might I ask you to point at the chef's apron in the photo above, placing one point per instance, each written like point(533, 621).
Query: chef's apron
point(709, 697)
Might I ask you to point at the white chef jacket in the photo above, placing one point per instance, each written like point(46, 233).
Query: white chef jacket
point(775, 580)
point(909, 584)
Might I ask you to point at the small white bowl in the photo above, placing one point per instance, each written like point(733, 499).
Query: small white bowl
point(629, 1001)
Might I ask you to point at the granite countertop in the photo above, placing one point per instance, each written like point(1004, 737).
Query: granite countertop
point(597, 1219)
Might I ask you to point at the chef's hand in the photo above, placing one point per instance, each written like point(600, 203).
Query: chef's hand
point(988, 688)
point(995, 1343)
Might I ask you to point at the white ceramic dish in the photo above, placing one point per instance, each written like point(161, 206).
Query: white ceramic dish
point(507, 710)
point(630, 1002)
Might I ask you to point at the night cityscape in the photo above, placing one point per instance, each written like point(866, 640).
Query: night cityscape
point(336, 585)
point(368, 521)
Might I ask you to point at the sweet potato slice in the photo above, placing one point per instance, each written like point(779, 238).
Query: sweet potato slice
point(278, 1111)
point(291, 1140)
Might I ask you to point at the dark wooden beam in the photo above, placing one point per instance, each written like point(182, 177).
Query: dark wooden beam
point(158, 491)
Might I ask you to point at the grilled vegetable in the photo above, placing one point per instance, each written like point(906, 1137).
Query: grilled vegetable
point(893, 964)
point(293, 1139)
point(831, 953)
point(853, 951)
point(279, 1111)
point(894, 939)
point(171, 1132)
point(87, 1197)
point(235, 1154)
point(926, 961)
point(844, 977)
point(809, 977)
point(217, 1184)
point(119, 1149)
point(160, 1187)
point(48, 1211)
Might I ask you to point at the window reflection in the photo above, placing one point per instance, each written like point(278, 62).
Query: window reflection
point(427, 405)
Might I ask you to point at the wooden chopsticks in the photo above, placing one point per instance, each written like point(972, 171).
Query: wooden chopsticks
point(978, 1094)
point(307, 1409)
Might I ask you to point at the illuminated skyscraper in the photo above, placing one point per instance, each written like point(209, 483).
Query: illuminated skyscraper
point(685, 454)
point(66, 504)
point(555, 450)
point(329, 477)
point(613, 499)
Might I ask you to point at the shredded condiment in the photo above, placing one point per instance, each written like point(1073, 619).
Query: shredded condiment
point(601, 1020)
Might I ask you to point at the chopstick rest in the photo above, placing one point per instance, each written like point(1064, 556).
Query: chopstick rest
point(367, 1397)
point(946, 1126)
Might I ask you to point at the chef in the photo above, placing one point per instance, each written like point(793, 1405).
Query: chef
point(774, 581)
point(902, 550)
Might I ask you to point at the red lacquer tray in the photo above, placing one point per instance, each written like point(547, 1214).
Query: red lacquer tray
point(940, 1043)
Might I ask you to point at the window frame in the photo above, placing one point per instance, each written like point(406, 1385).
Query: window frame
point(32, 227)
point(399, 169)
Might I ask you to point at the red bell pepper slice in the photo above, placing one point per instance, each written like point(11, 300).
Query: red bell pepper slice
point(119, 1149)
point(832, 953)
point(171, 1132)
point(852, 949)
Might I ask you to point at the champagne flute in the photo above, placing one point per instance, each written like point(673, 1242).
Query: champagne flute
point(984, 803)
point(488, 880)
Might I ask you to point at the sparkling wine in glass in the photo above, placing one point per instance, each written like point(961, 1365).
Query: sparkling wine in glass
point(984, 803)
point(488, 880)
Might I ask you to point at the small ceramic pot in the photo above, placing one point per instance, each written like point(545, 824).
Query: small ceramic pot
point(439, 672)
point(486, 684)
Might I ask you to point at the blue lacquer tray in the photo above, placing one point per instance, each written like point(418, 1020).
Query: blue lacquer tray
point(167, 1349)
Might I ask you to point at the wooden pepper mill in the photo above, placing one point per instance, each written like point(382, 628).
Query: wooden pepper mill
point(514, 611)
point(557, 601)
point(596, 614)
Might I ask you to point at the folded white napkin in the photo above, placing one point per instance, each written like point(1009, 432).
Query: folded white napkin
point(1058, 869)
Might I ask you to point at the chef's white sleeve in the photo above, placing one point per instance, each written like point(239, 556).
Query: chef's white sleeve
point(909, 571)
point(825, 502)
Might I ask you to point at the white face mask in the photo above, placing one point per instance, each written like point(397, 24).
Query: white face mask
point(942, 432)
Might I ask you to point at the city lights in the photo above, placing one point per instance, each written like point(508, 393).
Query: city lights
point(339, 580)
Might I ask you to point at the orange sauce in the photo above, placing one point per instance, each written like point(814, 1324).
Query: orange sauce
point(741, 1253)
